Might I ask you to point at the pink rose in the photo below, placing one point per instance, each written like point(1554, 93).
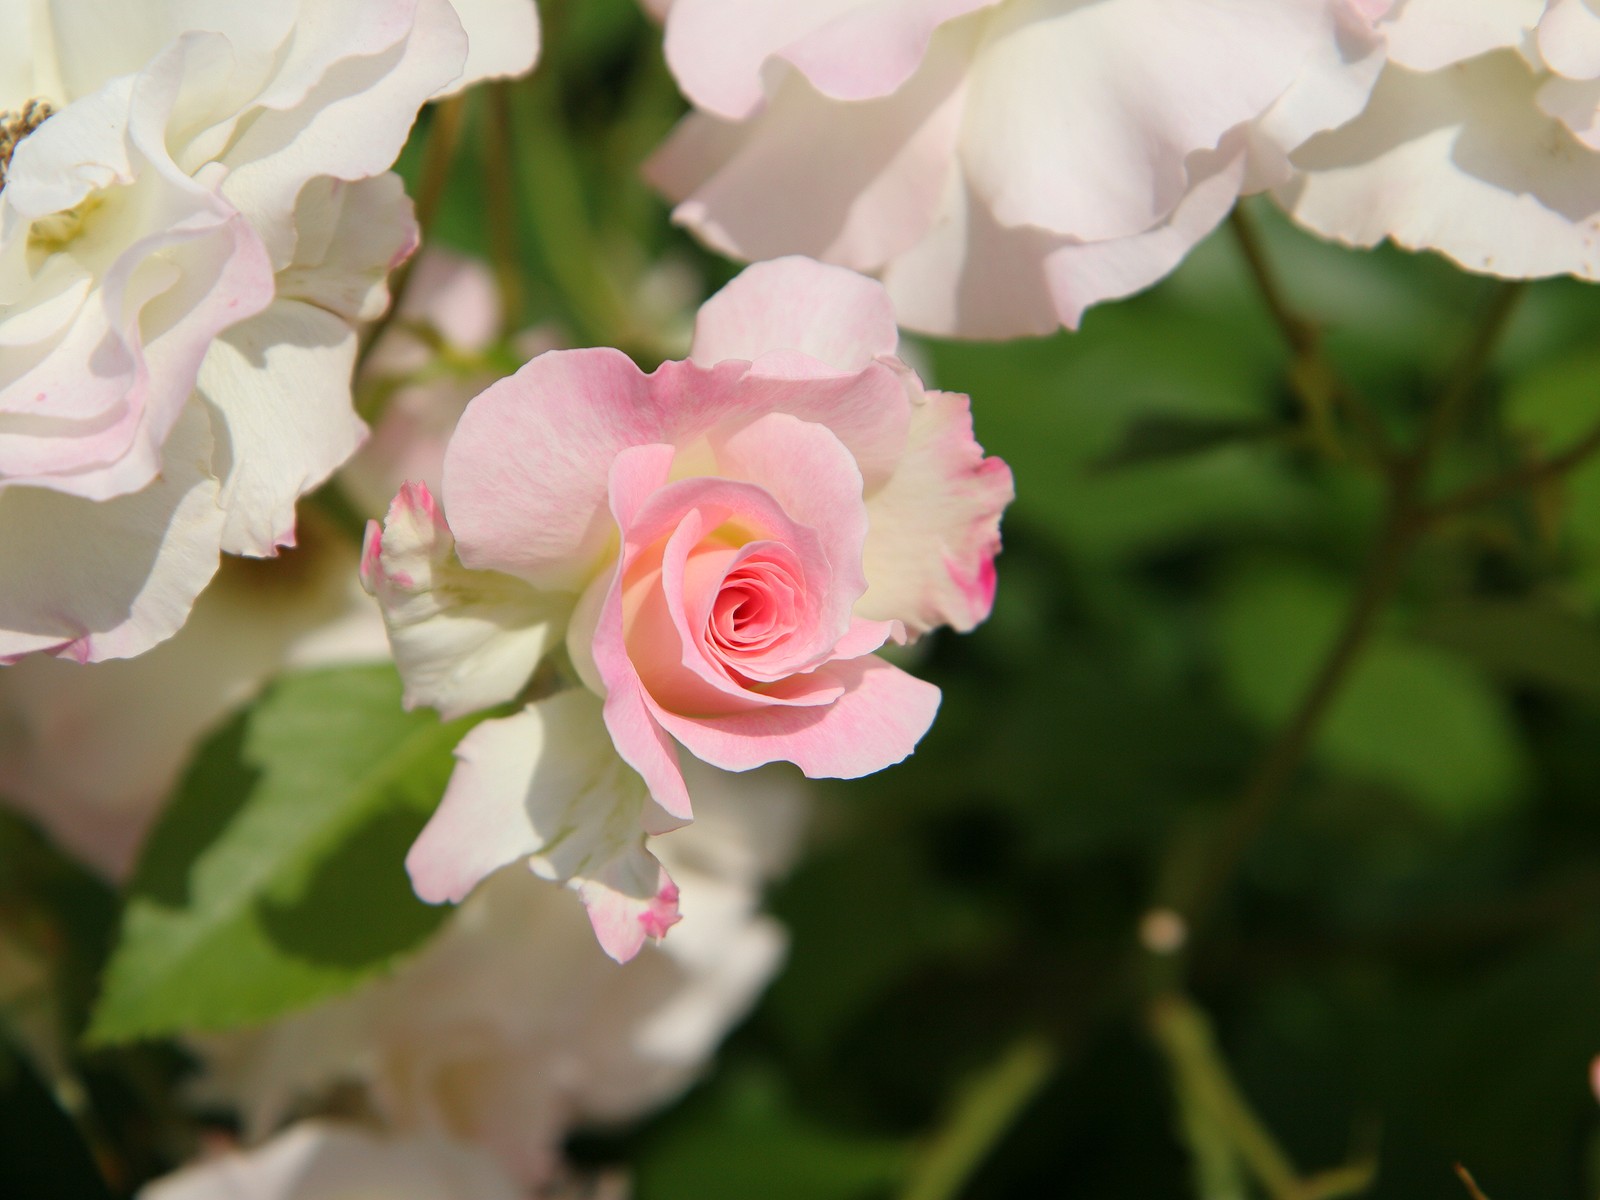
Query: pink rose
point(722, 545)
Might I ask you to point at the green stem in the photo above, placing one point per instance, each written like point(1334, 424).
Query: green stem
point(1528, 475)
point(1406, 519)
point(1205, 1087)
point(1219, 1119)
point(1470, 365)
point(501, 200)
point(553, 188)
point(983, 1113)
point(1298, 332)
point(1284, 756)
point(1315, 381)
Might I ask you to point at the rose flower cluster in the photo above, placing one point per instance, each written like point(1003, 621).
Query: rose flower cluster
point(650, 590)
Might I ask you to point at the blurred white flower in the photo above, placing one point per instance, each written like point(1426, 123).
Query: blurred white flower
point(92, 752)
point(1001, 164)
point(512, 1027)
point(318, 1160)
point(1481, 141)
point(195, 212)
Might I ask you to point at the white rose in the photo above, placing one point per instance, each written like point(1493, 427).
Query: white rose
point(195, 212)
point(1001, 164)
point(1481, 141)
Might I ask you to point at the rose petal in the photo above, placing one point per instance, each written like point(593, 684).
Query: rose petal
point(935, 527)
point(92, 580)
point(719, 50)
point(1426, 35)
point(547, 785)
point(401, 51)
point(973, 277)
point(832, 315)
point(1121, 94)
point(349, 236)
point(526, 473)
point(876, 721)
point(280, 384)
point(502, 40)
point(317, 1160)
point(463, 640)
point(1569, 39)
point(888, 161)
point(1451, 161)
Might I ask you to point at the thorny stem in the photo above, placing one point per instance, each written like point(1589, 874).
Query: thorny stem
point(1316, 383)
point(444, 136)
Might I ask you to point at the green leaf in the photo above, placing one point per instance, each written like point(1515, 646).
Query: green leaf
point(1412, 716)
point(1054, 408)
point(1158, 437)
point(1556, 402)
point(1531, 641)
point(276, 877)
point(1553, 406)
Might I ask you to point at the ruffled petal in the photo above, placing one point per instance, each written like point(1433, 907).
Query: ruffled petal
point(91, 580)
point(1460, 161)
point(756, 190)
point(974, 277)
point(547, 785)
point(1576, 104)
point(280, 387)
point(1081, 118)
point(1426, 35)
point(877, 721)
point(798, 304)
point(935, 526)
point(719, 50)
point(342, 105)
point(1569, 39)
point(349, 236)
point(526, 473)
point(463, 640)
point(502, 40)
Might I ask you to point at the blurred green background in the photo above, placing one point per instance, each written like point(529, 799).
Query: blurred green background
point(1402, 969)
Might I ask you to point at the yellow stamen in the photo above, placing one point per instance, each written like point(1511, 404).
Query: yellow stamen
point(14, 126)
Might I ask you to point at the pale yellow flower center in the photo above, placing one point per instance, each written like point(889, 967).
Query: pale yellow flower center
point(16, 125)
